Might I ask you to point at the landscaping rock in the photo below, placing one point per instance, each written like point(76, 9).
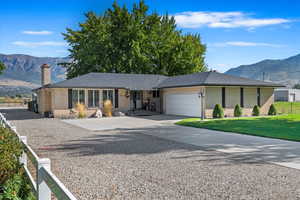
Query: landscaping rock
point(98, 114)
point(118, 114)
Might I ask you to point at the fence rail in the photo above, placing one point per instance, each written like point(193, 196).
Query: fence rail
point(46, 182)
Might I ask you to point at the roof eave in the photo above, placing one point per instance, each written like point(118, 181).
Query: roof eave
point(244, 85)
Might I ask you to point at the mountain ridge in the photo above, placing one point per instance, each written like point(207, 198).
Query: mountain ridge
point(23, 72)
point(284, 71)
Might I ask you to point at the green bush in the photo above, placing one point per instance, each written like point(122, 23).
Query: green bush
point(14, 184)
point(256, 111)
point(272, 110)
point(218, 111)
point(17, 188)
point(10, 151)
point(238, 111)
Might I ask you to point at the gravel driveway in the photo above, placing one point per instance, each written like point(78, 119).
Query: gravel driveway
point(126, 164)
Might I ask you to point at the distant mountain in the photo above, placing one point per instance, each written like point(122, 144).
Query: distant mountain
point(285, 71)
point(23, 72)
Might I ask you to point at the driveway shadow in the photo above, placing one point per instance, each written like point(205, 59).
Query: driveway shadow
point(19, 114)
point(142, 141)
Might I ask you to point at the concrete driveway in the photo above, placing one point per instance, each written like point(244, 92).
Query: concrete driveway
point(94, 124)
point(241, 147)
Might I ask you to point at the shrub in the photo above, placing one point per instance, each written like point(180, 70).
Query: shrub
point(272, 110)
point(238, 111)
point(107, 108)
point(256, 111)
point(81, 110)
point(10, 151)
point(14, 185)
point(218, 111)
point(17, 188)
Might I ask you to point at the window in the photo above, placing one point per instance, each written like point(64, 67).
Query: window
point(242, 97)
point(258, 97)
point(116, 98)
point(155, 93)
point(81, 96)
point(223, 97)
point(108, 95)
point(70, 98)
point(93, 98)
point(78, 96)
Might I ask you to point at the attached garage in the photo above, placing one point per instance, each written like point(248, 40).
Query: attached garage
point(186, 104)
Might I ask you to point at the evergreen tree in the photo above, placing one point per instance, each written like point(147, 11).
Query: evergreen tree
point(218, 111)
point(238, 111)
point(256, 111)
point(272, 110)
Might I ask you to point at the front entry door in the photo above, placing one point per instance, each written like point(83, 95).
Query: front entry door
point(136, 100)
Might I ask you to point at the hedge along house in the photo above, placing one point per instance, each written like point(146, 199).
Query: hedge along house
point(188, 95)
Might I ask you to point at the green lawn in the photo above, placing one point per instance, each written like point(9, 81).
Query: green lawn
point(288, 107)
point(282, 127)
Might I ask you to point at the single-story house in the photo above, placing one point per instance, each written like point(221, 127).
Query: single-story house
point(188, 95)
point(287, 94)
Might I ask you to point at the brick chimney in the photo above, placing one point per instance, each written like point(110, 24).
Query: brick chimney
point(46, 74)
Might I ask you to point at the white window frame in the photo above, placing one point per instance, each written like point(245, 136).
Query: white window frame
point(93, 101)
point(113, 96)
point(78, 96)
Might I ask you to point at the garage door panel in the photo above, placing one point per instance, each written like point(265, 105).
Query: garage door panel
point(187, 104)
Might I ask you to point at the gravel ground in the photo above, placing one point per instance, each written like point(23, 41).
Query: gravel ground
point(125, 164)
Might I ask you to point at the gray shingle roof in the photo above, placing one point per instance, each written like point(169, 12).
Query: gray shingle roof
point(151, 81)
point(212, 79)
point(112, 80)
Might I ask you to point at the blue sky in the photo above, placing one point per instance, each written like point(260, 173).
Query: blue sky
point(235, 32)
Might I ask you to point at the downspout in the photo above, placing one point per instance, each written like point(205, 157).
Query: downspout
point(202, 95)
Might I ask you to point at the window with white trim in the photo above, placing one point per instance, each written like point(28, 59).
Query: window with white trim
point(78, 96)
point(108, 95)
point(93, 98)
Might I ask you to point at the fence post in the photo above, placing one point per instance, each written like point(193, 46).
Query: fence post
point(23, 158)
point(14, 128)
point(44, 193)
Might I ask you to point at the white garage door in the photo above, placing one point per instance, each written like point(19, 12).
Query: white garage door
point(187, 104)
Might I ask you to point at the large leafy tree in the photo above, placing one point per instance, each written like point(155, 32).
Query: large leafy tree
point(133, 41)
point(2, 67)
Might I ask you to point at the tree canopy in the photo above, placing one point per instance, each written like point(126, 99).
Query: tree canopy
point(296, 86)
point(2, 67)
point(133, 41)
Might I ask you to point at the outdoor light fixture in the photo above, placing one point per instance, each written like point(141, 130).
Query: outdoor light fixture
point(201, 95)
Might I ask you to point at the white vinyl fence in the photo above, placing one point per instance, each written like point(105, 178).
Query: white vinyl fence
point(47, 183)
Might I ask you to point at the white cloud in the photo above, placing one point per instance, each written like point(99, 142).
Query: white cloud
point(246, 44)
point(39, 44)
point(221, 65)
point(37, 32)
point(224, 20)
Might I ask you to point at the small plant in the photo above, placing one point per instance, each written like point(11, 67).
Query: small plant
point(256, 111)
point(81, 110)
point(17, 188)
point(238, 111)
point(272, 110)
point(218, 111)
